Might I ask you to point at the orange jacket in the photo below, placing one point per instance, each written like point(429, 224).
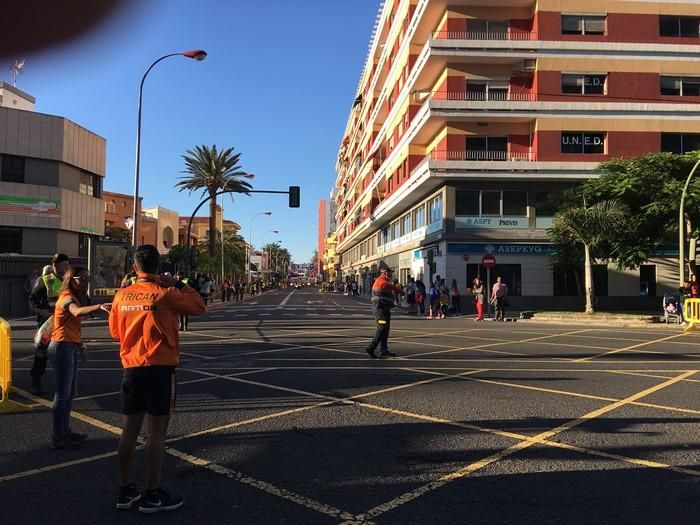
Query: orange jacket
point(383, 292)
point(144, 317)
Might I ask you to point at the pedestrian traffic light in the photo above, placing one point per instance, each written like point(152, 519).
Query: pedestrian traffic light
point(294, 197)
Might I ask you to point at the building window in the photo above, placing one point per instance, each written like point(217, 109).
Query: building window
point(406, 224)
point(436, 209)
point(680, 142)
point(680, 86)
point(487, 29)
point(583, 24)
point(582, 142)
point(486, 90)
point(583, 84)
point(466, 203)
point(10, 240)
point(419, 217)
point(487, 148)
point(395, 231)
point(110, 207)
point(679, 26)
point(546, 204)
point(490, 203)
point(12, 169)
point(90, 184)
point(515, 203)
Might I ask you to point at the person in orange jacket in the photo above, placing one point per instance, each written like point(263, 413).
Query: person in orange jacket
point(383, 292)
point(144, 318)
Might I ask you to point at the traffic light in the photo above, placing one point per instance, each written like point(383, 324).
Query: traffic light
point(294, 197)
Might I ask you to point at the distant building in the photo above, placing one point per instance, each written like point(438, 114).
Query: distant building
point(200, 228)
point(119, 210)
point(167, 227)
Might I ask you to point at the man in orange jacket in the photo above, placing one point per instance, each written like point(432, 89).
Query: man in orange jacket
point(144, 317)
point(383, 292)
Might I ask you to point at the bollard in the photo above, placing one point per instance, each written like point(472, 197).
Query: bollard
point(7, 406)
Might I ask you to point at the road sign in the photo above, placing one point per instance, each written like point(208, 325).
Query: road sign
point(488, 261)
point(465, 256)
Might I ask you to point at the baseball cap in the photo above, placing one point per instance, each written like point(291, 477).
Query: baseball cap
point(59, 258)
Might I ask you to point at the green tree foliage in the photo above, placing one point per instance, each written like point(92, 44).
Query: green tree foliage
point(211, 170)
point(590, 226)
point(650, 187)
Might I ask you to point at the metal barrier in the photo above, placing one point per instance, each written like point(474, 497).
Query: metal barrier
point(691, 313)
point(6, 405)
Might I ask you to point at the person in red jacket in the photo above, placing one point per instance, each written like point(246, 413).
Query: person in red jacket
point(383, 293)
point(144, 317)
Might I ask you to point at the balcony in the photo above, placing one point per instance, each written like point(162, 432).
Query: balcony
point(486, 35)
point(484, 156)
point(481, 96)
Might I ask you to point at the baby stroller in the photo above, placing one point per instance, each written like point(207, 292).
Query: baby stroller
point(672, 308)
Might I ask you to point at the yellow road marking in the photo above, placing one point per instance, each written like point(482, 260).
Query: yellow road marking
point(261, 485)
point(529, 340)
point(627, 348)
point(538, 439)
point(568, 393)
point(626, 372)
point(57, 466)
point(330, 401)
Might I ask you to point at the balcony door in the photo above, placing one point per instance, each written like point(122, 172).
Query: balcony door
point(487, 148)
point(486, 90)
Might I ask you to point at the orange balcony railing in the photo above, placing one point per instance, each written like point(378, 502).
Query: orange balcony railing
point(485, 35)
point(489, 96)
point(478, 155)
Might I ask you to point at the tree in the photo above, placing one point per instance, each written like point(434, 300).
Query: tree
point(211, 170)
point(650, 185)
point(278, 254)
point(590, 226)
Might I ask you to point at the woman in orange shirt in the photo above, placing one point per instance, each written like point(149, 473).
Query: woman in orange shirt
point(63, 352)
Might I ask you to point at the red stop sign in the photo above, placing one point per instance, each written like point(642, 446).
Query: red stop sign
point(465, 256)
point(488, 261)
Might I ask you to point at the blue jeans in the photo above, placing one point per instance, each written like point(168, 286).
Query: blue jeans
point(64, 359)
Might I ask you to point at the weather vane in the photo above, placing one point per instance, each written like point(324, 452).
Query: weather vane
point(17, 70)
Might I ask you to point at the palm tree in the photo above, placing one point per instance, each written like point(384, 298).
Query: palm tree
point(590, 226)
point(211, 170)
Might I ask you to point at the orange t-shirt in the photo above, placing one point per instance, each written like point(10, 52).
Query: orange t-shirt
point(66, 326)
point(144, 317)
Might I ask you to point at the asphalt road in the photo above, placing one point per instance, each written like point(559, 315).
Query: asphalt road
point(282, 418)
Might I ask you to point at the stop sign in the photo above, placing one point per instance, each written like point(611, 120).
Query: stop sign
point(465, 256)
point(488, 261)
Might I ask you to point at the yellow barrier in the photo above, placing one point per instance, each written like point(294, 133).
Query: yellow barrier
point(691, 313)
point(6, 405)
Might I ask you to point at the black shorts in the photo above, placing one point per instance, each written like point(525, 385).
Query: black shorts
point(149, 389)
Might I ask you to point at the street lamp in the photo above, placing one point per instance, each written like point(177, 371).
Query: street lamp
point(250, 240)
point(681, 224)
point(263, 243)
point(196, 54)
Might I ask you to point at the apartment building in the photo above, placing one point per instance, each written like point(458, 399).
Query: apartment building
point(472, 116)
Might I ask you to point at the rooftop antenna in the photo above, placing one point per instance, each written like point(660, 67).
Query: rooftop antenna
point(17, 69)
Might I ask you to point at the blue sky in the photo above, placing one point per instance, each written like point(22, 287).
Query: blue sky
point(277, 85)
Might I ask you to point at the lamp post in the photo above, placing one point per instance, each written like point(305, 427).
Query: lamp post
point(250, 241)
point(196, 54)
point(681, 224)
point(263, 242)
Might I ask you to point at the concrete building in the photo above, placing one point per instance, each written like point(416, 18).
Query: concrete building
point(119, 209)
point(167, 227)
point(200, 228)
point(471, 118)
point(51, 173)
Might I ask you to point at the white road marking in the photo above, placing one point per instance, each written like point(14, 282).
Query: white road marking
point(286, 299)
